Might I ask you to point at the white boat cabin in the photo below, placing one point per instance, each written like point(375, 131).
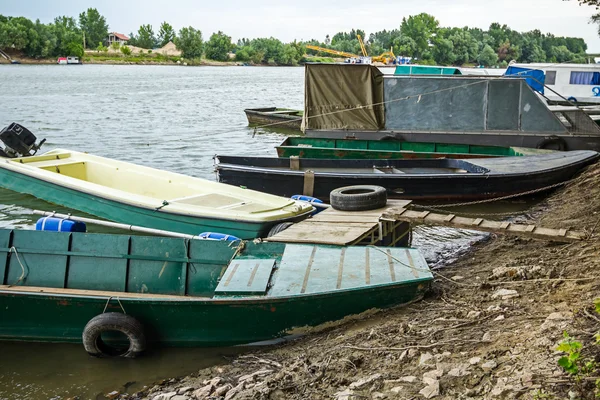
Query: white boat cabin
point(578, 83)
point(68, 60)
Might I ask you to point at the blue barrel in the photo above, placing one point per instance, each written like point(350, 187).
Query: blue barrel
point(59, 225)
point(217, 236)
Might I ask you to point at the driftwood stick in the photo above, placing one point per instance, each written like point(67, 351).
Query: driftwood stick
point(424, 346)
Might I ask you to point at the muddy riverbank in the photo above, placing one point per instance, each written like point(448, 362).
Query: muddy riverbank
point(488, 329)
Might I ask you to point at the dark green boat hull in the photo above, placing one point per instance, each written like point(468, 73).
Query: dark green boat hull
point(305, 147)
point(54, 318)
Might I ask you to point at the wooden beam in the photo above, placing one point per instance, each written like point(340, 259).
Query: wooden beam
point(480, 224)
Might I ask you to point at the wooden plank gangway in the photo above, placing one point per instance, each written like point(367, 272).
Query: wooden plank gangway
point(480, 224)
point(345, 227)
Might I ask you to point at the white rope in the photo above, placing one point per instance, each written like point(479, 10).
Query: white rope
point(23, 274)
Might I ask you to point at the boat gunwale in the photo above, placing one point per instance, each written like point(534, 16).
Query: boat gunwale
point(216, 299)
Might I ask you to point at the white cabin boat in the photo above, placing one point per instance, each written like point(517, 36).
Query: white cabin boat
point(578, 83)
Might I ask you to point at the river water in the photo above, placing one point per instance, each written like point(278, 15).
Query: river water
point(172, 118)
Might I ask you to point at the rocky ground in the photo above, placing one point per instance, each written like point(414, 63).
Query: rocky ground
point(488, 329)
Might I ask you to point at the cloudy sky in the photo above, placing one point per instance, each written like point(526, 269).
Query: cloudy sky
point(310, 19)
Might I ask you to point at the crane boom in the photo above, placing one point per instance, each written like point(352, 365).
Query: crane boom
point(362, 46)
point(330, 51)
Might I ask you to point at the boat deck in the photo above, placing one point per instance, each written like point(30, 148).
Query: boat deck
point(343, 228)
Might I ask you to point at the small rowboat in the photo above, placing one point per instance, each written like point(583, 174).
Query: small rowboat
point(427, 179)
point(71, 287)
point(272, 117)
point(138, 195)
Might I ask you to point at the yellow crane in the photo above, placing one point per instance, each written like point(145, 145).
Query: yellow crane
point(386, 58)
point(362, 46)
point(331, 51)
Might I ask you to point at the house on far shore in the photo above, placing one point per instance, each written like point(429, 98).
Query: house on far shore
point(115, 37)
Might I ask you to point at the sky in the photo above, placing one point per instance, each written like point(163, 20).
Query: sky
point(314, 19)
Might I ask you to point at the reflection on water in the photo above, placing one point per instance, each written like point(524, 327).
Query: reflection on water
point(31, 371)
point(172, 118)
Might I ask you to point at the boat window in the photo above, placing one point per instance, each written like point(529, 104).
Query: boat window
point(550, 78)
point(584, 78)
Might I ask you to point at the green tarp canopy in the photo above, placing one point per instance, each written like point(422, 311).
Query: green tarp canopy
point(343, 96)
point(425, 70)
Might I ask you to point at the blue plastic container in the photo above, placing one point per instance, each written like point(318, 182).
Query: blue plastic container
point(59, 225)
point(308, 199)
point(217, 236)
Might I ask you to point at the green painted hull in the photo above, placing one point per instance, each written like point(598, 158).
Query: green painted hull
point(131, 215)
point(304, 147)
point(54, 318)
point(53, 283)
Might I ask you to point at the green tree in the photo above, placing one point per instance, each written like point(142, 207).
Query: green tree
point(126, 50)
point(465, 47)
point(508, 52)
point(101, 48)
point(218, 47)
point(243, 54)
point(145, 37)
point(405, 46)
point(562, 54)
point(67, 35)
point(487, 57)
point(420, 28)
point(190, 42)
point(75, 49)
point(94, 26)
point(443, 52)
point(14, 33)
point(166, 34)
point(269, 48)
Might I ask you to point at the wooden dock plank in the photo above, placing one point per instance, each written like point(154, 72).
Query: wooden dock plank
point(528, 230)
point(337, 227)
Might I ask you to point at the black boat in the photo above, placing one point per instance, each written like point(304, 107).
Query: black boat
point(431, 179)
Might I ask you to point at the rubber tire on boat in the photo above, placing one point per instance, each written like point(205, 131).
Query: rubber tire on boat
point(552, 141)
point(126, 324)
point(279, 228)
point(358, 198)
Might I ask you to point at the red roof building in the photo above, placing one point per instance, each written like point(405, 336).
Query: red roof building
point(117, 37)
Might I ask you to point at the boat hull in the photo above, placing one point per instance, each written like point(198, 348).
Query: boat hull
point(576, 141)
point(272, 118)
point(121, 212)
point(61, 318)
point(504, 176)
point(305, 147)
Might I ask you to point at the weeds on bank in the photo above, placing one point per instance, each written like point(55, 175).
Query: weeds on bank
point(584, 371)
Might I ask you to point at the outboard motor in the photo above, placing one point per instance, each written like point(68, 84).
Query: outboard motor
point(18, 142)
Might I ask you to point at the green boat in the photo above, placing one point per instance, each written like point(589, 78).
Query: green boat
point(148, 197)
point(306, 147)
point(74, 287)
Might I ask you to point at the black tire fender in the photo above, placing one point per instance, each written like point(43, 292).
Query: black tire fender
point(552, 141)
point(114, 322)
point(279, 228)
point(358, 198)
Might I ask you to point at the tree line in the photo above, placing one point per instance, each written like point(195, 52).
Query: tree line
point(420, 37)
